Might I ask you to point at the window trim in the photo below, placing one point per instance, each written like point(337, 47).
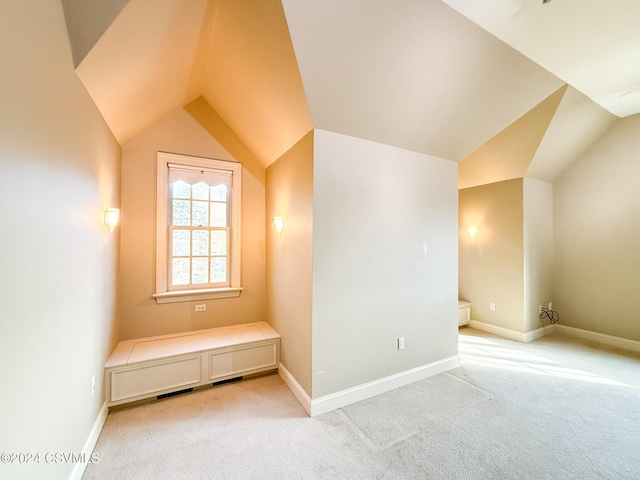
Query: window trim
point(163, 294)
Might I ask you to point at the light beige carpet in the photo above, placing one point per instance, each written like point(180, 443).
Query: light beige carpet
point(558, 408)
point(395, 416)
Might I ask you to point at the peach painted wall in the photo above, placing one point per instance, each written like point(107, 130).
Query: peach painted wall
point(597, 233)
point(138, 312)
point(508, 154)
point(491, 265)
point(289, 256)
point(538, 250)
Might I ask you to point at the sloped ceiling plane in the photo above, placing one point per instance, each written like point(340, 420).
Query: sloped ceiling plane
point(450, 78)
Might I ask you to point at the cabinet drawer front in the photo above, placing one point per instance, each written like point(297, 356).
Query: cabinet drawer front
point(235, 362)
point(151, 379)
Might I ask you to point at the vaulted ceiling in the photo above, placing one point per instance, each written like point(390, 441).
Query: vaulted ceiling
point(158, 56)
point(593, 45)
point(415, 74)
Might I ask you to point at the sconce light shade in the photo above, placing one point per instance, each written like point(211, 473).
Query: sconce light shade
point(473, 231)
point(111, 217)
point(279, 223)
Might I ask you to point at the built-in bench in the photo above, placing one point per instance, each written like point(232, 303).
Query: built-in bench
point(464, 312)
point(144, 368)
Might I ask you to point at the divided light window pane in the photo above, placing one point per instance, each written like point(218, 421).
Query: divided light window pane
point(219, 242)
point(201, 213)
point(200, 243)
point(181, 243)
point(181, 212)
point(218, 214)
point(200, 270)
point(218, 268)
point(180, 271)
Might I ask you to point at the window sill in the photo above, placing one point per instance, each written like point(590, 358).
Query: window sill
point(189, 295)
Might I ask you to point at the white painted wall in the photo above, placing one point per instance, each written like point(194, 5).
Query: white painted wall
point(59, 170)
point(538, 250)
point(384, 261)
point(597, 233)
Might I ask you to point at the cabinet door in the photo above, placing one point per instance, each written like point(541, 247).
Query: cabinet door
point(151, 380)
point(231, 363)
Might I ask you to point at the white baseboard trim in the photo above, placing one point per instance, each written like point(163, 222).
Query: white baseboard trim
point(340, 399)
point(512, 334)
point(358, 393)
point(618, 342)
point(295, 388)
point(539, 333)
point(89, 445)
point(603, 338)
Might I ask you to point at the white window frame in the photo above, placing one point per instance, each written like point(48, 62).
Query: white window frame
point(163, 294)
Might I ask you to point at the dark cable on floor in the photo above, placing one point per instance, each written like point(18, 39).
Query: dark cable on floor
point(552, 315)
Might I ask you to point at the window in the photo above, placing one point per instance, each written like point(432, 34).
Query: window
point(198, 229)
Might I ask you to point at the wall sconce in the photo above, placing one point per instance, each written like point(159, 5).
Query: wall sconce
point(111, 217)
point(279, 223)
point(473, 231)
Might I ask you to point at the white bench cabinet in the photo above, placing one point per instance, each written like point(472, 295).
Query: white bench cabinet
point(144, 368)
point(464, 313)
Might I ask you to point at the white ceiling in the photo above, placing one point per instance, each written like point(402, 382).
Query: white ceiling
point(156, 57)
point(576, 124)
point(410, 73)
point(593, 45)
point(141, 67)
point(414, 74)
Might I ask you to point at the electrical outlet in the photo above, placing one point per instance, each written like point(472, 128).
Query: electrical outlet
point(492, 307)
point(400, 343)
point(201, 308)
point(550, 306)
point(93, 385)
